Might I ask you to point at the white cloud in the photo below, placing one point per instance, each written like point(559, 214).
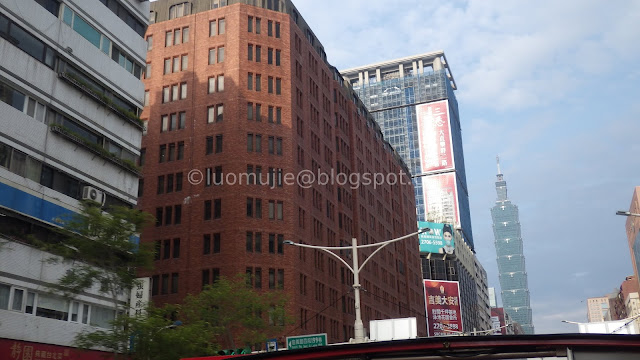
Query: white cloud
point(504, 55)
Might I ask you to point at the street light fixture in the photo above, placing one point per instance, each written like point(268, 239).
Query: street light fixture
point(356, 267)
point(626, 213)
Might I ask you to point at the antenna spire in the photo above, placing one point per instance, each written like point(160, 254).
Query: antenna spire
point(498, 161)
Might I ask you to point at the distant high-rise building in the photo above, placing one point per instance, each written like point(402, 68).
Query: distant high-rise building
point(493, 300)
point(413, 101)
point(596, 308)
point(510, 255)
point(633, 232)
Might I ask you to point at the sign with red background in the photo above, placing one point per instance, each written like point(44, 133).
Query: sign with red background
point(444, 314)
point(434, 136)
point(24, 350)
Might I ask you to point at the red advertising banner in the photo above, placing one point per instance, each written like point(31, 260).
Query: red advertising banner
point(441, 198)
point(434, 136)
point(24, 350)
point(444, 314)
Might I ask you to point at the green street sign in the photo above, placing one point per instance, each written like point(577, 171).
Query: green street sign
point(306, 341)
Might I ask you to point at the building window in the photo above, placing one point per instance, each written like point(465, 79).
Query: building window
point(217, 209)
point(221, 26)
point(179, 10)
point(221, 54)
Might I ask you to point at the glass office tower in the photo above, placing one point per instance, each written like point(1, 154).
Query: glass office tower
point(510, 256)
point(413, 101)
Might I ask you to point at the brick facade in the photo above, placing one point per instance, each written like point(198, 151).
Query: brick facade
point(322, 125)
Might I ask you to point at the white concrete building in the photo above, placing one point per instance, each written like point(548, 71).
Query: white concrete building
point(70, 93)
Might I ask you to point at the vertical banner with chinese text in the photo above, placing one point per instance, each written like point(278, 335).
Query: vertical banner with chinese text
point(444, 314)
point(140, 295)
point(434, 136)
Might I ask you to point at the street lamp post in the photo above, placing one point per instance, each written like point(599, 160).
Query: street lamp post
point(356, 267)
point(626, 213)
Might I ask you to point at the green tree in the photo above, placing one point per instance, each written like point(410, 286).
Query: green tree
point(209, 321)
point(236, 312)
point(153, 336)
point(100, 247)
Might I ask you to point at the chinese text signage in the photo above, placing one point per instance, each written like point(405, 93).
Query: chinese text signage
point(434, 136)
point(444, 315)
point(139, 297)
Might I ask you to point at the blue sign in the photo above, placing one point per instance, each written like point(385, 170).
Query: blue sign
point(439, 239)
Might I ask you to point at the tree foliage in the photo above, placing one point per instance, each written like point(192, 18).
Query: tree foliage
point(235, 311)
point(153, 336)
point(100, 246)
point(209, 321)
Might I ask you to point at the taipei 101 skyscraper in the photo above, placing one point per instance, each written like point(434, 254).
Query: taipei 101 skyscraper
point(510, 256)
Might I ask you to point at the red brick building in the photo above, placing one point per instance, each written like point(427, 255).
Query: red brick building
point(242, 89)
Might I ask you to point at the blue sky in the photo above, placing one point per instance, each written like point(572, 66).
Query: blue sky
point(550, 86)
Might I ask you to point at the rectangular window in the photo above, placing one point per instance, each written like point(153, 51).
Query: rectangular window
point(280, 278)
point(176, 248)
point(249, 207)
point(272, 279)
point(213, 28)
point(179, 182)
point(278, 57)
point(209, 145)
point(185, 62)
point(280, 244)
point(257, 281)
point(220, 83)
point(270, 56)
point(206, 244)
point(212, 56)
point(269, 28)
point(278, 115)
point(177, 216)
point(174, 283)
point(217, 208)
point(250, 52)
point(249, 242)
point(216, 243)
point(219, 112)
point(258, 53)
point(185, 35)
point(221, 54)
point(278, 86)
point(212, 85)
point(221, 26)
point(160, 185)
point(258, 111)
point(207, 210)
point(155, 285)
point(279, 206)
point(211, 112)
point(176, 37)
point(174, 92)
point(250, 24)
point(250, 81)
point(183, 91)
point(279, 146)
point(249, 142)
point(166, 94)
point(218, 143)
point(147, 71)
point(249, 111)
point(182, 119)
point(168, 38)
point(258, 20)
point(258, 209)
point(258, 82)
point(277, 30)
point(258, 143)
point(149, 42)
point(270, 85)
point(205, 278)
point(165, 284)
point(176, 64)
point(167, 66)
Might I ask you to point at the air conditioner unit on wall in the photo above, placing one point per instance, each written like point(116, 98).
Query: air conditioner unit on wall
point(91, 193)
